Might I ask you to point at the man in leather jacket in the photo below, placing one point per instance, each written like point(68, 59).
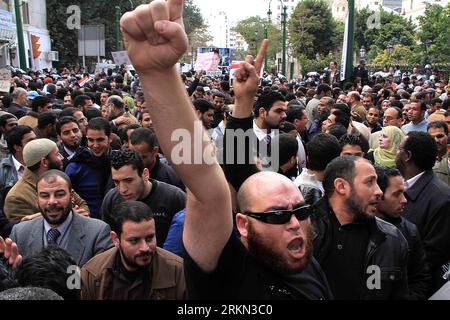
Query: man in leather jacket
point(362, 256)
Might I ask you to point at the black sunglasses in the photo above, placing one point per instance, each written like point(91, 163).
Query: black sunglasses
point(439, 136)
point(281, 216)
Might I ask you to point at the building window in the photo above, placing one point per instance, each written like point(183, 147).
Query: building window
point(25, 13)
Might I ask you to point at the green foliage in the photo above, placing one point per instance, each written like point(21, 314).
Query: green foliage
point(98, 12)
point(253, 30)
point(311, 65)
point(434, 34)
point(400, 55)
point(312, 29)
point(394, 29)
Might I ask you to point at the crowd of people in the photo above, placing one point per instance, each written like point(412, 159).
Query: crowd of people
point(343, 191)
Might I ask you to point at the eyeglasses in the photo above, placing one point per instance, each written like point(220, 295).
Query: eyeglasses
point(281, 216)
point(439, 136)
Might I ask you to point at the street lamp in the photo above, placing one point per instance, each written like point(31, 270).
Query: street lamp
point(362, 52)
point(283, 23)
point(269, 13)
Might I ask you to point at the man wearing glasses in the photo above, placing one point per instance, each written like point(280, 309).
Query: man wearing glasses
point(271, 260)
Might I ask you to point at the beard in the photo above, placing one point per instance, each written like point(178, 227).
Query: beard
point(355, 205)
point(54, 165)
point(264, 253)
point(131, 263)
point(56, 221)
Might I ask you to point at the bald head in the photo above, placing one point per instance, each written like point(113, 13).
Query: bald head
point(261, 187)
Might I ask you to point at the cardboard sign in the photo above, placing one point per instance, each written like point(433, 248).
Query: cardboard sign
point(207, 61)
point(5, 80)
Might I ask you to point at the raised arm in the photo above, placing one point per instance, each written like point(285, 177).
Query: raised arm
point(155, 39)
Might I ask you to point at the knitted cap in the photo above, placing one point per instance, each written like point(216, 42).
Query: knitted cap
point(36, 150)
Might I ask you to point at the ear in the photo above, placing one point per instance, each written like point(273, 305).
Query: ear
point(58, 137)
point(155, 150)
point(262, 112)
point(114, 238)
point(146, 174)
point(242, 224)
point(406, 156)
point(72, 196)
point(293, 160)
point(341, 186)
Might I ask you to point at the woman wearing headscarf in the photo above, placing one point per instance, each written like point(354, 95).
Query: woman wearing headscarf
point(384, 155)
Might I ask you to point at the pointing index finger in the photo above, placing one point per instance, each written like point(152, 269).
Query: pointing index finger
point(261, 54)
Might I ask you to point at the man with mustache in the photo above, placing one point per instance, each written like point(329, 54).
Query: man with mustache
point(390, 208)
point(272, 258)
point(362, 256)
point(39, 155)
point(81, 237)
point(135, 269)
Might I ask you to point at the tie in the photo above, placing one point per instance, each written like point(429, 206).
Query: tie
point(268, 139)
point(52, 236)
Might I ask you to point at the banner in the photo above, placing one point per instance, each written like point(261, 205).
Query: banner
point(121, 57)
point(344, 50)
point(208, 61)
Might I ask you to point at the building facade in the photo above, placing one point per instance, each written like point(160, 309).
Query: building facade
point(37, 42)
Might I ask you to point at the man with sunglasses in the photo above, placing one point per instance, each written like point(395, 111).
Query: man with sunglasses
point(271, 260)
point(362, 256)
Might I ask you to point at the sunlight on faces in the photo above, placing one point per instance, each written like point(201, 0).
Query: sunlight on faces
point(393, 201)
point(98, 142)
point(137, 243)
point(54, 200)
point(284, 248)
point(129, 184)
point(363, 194)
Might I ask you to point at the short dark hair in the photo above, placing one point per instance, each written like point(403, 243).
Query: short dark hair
point(423, 149)
point(423, 105)
point(321, 150)
point(438, 124)
point(323, 88)
point(65, 120)
point(203, 105)
point(350, 139)
point(399, 111)
point(100, 124)
point(446, 104)
point(4, 118)
point(14, 137)
point(116, 102)
point(92, 113)
point(80, 100)
point(435, 100)
point(342, 117)
point(46, 118)
point(266, 101)
point(341, 167)
point(48, 269)
point(337, 130)
point(69, 111)
point(287, 147)
point(143, 135)
point(383, 175)
point(39, 102)
point(123, 133)
point(295, 112)
point(127, 157)
point(135, 211)
point(51, 175)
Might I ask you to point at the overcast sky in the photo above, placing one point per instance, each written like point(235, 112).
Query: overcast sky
point(235, 9)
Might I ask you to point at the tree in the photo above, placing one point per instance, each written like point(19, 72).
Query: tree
point(393, 29)
point(253, 31)
point(312, 29)
point(433, 34)
point(102, 12)
point(399, 55)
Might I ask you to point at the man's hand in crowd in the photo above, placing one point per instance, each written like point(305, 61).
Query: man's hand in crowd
point(9, 250)
point(154, 35)
point(245, 84)
point(80, 211)
point(30, 217)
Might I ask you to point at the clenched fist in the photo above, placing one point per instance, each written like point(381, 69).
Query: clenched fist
point(154, 35)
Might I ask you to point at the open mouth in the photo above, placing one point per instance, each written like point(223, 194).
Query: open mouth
point(296, 248)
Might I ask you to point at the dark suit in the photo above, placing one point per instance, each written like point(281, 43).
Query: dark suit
point(428, 208)
point(86, 236)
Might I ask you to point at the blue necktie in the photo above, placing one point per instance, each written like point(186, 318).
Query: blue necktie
point(52, 236)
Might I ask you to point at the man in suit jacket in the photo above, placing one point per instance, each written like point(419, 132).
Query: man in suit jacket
point(39, 156)
point(80, 236)
point(428, 205)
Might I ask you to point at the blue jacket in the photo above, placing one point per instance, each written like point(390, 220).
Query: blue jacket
point(8, 176)
point(89, 176)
